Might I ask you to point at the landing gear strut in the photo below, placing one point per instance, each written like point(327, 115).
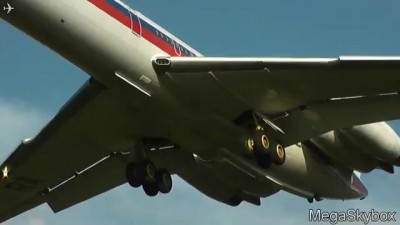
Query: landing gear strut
point(266, 150)
point(146, 175)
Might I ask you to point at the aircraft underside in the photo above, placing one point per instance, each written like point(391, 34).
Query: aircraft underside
point(303, 169)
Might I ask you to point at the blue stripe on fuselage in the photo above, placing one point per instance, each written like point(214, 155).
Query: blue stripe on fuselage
point(119, 7)
point(164, 37)
point(145, 25)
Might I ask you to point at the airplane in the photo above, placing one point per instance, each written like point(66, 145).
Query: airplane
point(8, 8)
point(235, 128)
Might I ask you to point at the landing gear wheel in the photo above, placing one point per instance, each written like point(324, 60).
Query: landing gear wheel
point(264, 160)
point(265, 147)
point(164, 181)
point(150, 189)
point(149, 171)
point(261, 141)
point(249, 146)
point(133, 175)
point(278, 155)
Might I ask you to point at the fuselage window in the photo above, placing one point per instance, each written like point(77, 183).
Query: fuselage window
point(176, 45)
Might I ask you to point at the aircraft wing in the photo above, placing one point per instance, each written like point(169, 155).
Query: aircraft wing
point(304, 97)
point(83, 151)
point(77, 146)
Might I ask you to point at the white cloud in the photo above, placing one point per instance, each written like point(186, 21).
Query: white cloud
point(37, 221)
point(18, 120)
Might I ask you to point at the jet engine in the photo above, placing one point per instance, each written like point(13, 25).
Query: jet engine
point(363, 147)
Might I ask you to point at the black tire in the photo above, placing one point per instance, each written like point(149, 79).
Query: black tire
point(164, 181)
point(261, 142)
point(150, 189)
point(264, 160)
point(278, 155)
point(149, 171)
point(133, 175)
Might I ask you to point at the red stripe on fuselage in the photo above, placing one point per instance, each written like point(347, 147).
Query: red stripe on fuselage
point(125, 20)
point(109, 9)
point(357, 183)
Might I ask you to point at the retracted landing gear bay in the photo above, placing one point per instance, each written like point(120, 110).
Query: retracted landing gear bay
point(262, 144)
point(152, 180)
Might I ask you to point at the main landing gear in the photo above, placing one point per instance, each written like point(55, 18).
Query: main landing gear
point(266, 150)
point(152, 180)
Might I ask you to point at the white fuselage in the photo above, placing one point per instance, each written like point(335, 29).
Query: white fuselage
point(96, 37)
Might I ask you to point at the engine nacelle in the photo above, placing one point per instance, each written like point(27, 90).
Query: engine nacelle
point(363, 147)
point(378, 140)
point(338, 148)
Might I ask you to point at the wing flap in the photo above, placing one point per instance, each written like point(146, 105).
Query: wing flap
point(105, 175)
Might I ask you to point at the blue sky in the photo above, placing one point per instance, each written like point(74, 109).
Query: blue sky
point(35, 82)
